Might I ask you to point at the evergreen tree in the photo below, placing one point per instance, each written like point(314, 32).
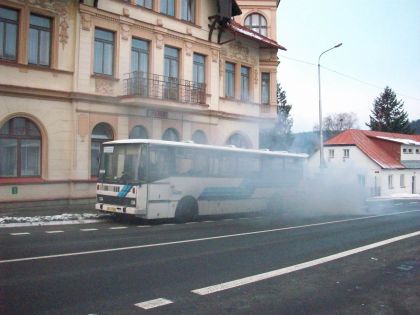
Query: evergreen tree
point(415, 126)
point(388, 114)
point(280, 137)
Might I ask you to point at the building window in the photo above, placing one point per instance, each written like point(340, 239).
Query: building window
point(331, 153)
point(188, 10)
point(265, 88)
point(39, 47)
point(104, 52)
point(404, 150)
point(167, 7)
point(145, 3)
point(100, 134)
point(410, 151)
point(402, 180)
point(230, 80)
point(20, 148)
point(245, 83)
point(238, 141)
point(138, 132)
point(390, 184)
point(8, 33)
point(170, 134)
point(139, 55)
point(257, 23)
point(199, 137)
point(417, 151)
point(199, 65)
point(171, 73)
point(346, 153)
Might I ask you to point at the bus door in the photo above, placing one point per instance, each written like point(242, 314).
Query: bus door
point(160, 169)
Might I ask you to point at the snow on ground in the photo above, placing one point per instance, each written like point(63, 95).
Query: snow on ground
point(397, 197)
point(65, 217)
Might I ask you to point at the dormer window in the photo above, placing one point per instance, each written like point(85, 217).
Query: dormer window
point(257, 23)
point(404, 150)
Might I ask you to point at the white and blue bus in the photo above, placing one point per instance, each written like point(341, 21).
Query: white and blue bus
point(154, 179)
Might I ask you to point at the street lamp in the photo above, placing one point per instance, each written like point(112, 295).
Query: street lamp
point(321, 138)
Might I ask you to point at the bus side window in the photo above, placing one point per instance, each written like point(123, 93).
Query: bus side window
point(183, 162)
point(160, 163)
point(200, 164)
point(214, 164)
point(228, 165)
point(248, 166)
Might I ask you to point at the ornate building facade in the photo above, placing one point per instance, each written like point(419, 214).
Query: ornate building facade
point(77, 73)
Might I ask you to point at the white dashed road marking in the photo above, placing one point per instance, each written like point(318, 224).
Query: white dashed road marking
point(88, 230)
point(153, 303)
point(22, 233)
point(191, 222)
point(144, 226)
point(53, 232)
point(283, 271)
point(119, 249)
point(118, 228)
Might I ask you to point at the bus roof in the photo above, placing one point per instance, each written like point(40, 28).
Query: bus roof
point(206, 146)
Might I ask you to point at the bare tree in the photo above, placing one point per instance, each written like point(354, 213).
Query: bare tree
point(338, 122)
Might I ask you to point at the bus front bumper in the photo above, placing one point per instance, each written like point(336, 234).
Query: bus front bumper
point(115, 209)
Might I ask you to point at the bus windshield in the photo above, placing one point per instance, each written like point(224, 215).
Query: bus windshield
point(123, 164)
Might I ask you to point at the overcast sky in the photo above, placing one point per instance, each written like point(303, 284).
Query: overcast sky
point(381, 46)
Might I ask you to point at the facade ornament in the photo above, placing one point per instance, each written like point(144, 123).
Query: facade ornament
point(237, 51)
point(188, 49)
point(159, 41)
point(256, 76)
point(125, 31)
point(214, 55)
point(104, 87)
point(61, 9)
point(86, 20)
point(126, 12)
point(221, 67)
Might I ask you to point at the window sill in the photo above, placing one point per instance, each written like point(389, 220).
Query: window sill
point(21, 180)
point(104, 77)
point(16, 64)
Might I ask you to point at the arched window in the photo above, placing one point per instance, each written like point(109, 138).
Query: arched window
point(20, 148)
point(170, 134)
point(138, 132)
point(257, 23)
point(238, 141)
point(100, 134)
point(199, 137)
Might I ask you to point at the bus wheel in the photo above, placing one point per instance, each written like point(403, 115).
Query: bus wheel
point(187, 210)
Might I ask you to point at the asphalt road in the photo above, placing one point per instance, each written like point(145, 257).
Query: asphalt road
point(216, 266)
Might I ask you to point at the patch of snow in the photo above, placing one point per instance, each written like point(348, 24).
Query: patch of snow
point(399, 140)
point(52, 218)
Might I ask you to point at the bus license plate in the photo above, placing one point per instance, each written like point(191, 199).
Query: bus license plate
point(113, 209)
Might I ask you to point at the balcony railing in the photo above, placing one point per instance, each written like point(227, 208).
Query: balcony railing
point(166, 88)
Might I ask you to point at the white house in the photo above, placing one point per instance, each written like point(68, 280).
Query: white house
point(384, 163)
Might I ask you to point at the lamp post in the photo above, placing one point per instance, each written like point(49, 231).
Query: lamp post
point(321, 137)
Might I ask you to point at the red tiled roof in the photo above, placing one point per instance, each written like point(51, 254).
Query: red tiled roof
point(368, 142)
point(237, 28)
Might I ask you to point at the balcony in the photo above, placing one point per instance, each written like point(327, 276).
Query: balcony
point(154, 86)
